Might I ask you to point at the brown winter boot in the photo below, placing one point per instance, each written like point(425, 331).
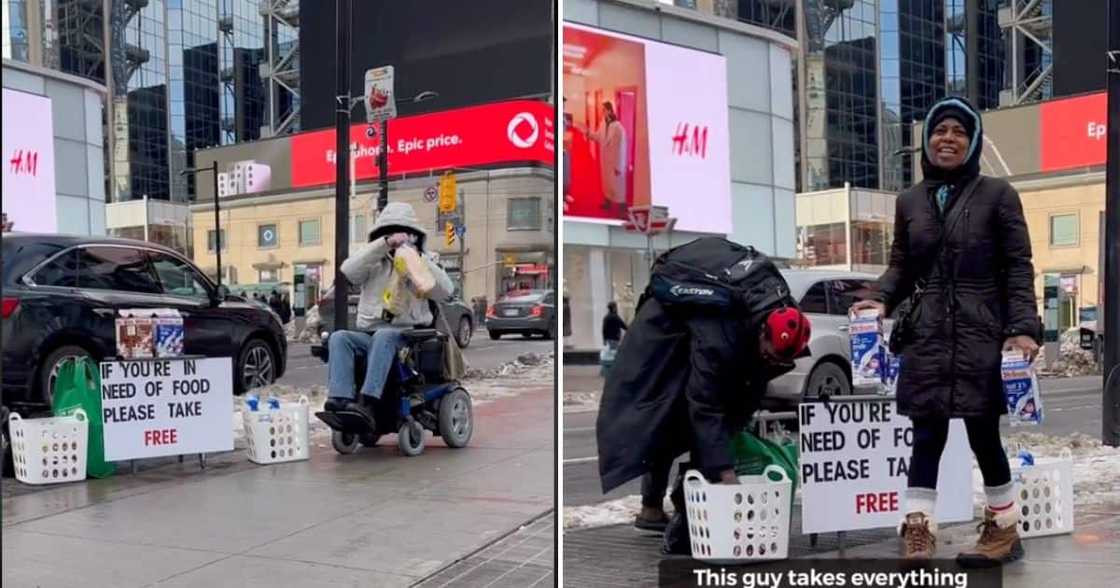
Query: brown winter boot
point(999, 541)
point(919, 536)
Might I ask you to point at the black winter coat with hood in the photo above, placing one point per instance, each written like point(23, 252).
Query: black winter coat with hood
point(685, 378)
point(980, 285)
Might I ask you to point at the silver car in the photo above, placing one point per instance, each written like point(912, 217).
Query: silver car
point(825, 297)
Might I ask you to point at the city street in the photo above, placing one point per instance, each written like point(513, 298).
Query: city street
point(375, 518)
point(604, 549)
point(483, 354)
point(1071, 405)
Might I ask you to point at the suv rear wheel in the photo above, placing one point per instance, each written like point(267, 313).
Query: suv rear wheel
point(49, 374)
point(256, 367)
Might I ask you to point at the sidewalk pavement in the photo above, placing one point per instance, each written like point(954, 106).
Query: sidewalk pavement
point(582, 387)
point(375, 518)
point(619, 555)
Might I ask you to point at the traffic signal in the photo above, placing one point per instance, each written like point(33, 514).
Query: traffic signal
point(449, 233)
point(447, 193)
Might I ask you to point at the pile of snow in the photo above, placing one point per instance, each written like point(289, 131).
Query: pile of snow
point(511, 379)
point(574, 401)
point(1096, 467)
point(310, 332)
point(1073, 360)
point(535, 362)
point(614, 512)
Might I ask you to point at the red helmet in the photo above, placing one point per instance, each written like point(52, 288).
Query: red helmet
point(788, 332)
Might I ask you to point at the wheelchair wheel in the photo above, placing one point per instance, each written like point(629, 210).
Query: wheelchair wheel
point(344, 443)
point(456, 418)
point(369, 439)
point(410, 438)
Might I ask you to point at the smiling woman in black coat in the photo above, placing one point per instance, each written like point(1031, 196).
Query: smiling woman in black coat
point(963, 236)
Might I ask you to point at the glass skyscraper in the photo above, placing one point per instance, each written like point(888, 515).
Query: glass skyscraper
point(874, 67)
point(185, 74)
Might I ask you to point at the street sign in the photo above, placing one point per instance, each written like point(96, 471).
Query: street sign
point(461, 230)
point(649, 220)
point(430, 194)
point(447, 194)
point(380, 101)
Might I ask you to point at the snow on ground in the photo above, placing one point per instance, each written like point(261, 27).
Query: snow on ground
point(614, 512)
point(581, 401)
point(1096, 478)
point(1096, 467)
point(511, 379)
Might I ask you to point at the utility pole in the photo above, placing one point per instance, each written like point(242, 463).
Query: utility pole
point(1110, 433)
point(341, 163)
point(383, 167)
point(217, 219)
point(462, 245)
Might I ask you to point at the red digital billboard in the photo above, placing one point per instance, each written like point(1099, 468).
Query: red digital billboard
point(518, 131)
point(1073, 132)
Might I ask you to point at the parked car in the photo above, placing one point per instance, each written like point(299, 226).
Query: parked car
point(527, 312)
point(458, 314)
point(825, 297)
point(62, 294)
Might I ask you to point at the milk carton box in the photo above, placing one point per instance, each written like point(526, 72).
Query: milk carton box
point(1020, 387)
point(135, 336)
point(169, 334)
point(865, 332)
point(891, 365)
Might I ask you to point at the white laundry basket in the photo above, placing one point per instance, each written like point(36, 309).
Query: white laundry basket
point(1045, 497)
point(739, 523)
point(278, 435)
point(49, 450)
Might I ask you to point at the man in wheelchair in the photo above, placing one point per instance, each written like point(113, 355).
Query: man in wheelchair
point(380, 335)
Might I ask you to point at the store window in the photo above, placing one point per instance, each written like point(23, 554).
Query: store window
point(1063, 230)
point(212, 239)
point(268, 275)
point(359, 228)
point(267, 236)
point(871, 242)
point(309, 232)
point(524, 214)
point(825, 244)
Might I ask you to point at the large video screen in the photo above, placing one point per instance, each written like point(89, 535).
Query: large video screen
point(645, 123)
point(29, 189)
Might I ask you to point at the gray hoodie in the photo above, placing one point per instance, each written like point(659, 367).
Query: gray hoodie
point(371, 265)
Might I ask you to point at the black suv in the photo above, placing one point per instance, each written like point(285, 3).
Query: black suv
point(62, 293)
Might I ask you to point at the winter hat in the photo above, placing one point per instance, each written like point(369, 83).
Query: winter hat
point(961, 110)
point(788, 332)
point(398, 217)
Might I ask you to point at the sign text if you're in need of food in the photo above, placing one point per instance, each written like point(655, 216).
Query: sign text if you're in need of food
point(160, 407)
point(854, 460)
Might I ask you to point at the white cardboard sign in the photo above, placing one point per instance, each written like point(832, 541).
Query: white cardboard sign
point(854, 460)
point(159, 407)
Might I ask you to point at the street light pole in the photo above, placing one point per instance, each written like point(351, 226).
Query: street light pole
point(342, 163)
point(1110, 433)
point(213, 169)
point(383, 167)
point(217, 219)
